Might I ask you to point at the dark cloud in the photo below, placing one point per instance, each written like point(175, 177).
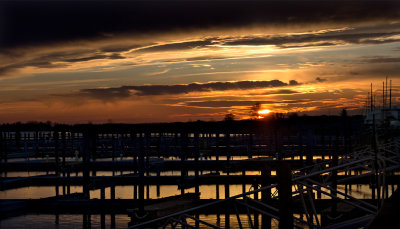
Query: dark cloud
point(379, 59)
point(319, 79)
point(199, 58)
point(321, 39)
point(49, 61)
point(35, 63)
point(177, 46)
point(148, 90)
point(82, 59)
point(230, 103)
point(95, 57)
point(280, 92)
point(361, 35)
point(308, 45)
point(32, 22)
point(120, 48)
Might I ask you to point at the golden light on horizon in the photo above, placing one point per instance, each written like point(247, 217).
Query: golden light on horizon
point(263, 113)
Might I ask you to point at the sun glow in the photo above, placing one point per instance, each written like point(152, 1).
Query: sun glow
point(264, 112)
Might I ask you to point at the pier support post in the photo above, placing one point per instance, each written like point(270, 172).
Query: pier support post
point(102, 193)
point(244, 182)
point(250, 146)
point(184, 143)
point(56, 153)
point(69, 183)
point(255, 196)
point(265, 197)
point(141, 175)
point(88, 150)
point(158, 186)
point(285, 195)
point(147, 139)
point(227, 220)
point(2, 157)
point(112, 224)
point(56, 156)
point(334, 184)
point(112, 192)
point(103, 221)
point(196, 158)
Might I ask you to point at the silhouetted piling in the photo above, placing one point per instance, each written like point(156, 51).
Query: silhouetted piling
point(334, 163)
point(265, 197)
point(183, 153)
point(227, 219)
point(141, 175)
point(88, 150)
point(196, 158)
point(255, 196)
point(285, 195)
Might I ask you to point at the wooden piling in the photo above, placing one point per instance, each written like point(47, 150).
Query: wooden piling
point(265, 197)
point(285, 195)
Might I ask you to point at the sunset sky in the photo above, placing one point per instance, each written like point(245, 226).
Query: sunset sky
point(162, 60)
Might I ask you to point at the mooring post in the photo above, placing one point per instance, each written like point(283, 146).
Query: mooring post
point(63, 159)
point(250, 146)
point(334, 163)
point(227, 221)
point(112, 192)
point(158, 186)
point(217, 146)
point(285, 195)
point(244, 181)
point(89, 221)
point(310, 147)
point(56, 155)
point(196, 172)
point(89, 145)
point(112, 224)
point(18, 138)
point(196, 158)
point(159, 143)
point(217, 198)
point(184, 142)
point(134, 151)
point(2, 157)
point(63, 149)
point(5, 147)
point(141, 174)
point(93, 152)
point(265, 197)
point(227, 144)
point(68, 181)
point(113, 149)
point(84, 221)
point(255, 196)
point(102, 193)
point(147, 136)
point(277, 144)
point(301, 149)
point(103, 221)
point(375, 166)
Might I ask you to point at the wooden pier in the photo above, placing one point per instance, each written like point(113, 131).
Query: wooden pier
point(301, 158)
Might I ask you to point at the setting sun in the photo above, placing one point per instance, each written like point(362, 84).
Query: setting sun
point(263, 113)
point(266, 111)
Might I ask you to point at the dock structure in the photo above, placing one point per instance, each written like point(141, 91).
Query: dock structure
point(289, 163)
